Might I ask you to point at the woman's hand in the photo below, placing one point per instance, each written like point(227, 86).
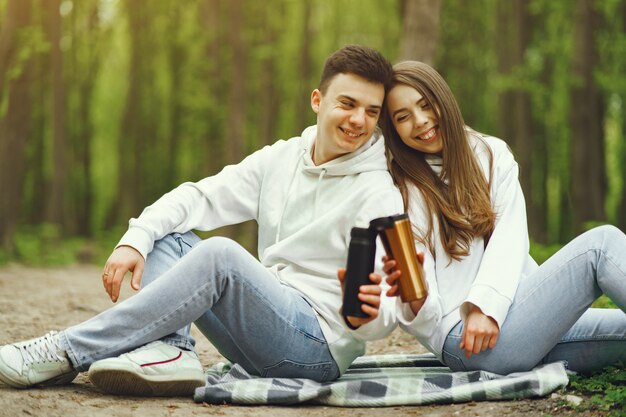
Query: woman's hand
point(369, 296)
point(393, 275)
point(122, 260)
point(480, 332)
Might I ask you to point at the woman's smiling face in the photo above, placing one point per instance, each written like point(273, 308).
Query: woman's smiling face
point(414, 119)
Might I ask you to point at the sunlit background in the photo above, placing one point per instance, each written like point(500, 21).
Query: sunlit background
point(107, 104)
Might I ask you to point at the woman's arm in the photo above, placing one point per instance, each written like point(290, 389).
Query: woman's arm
point(491, 294)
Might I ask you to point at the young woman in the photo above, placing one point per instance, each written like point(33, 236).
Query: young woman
point(490, 306)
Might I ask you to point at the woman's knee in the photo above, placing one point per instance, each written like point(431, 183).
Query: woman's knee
point(607, 232)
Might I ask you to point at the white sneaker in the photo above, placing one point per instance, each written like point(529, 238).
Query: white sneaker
point(156, 369)
point(38, 361)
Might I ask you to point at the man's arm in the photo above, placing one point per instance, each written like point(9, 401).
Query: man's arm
point(381, 309)
point(229, 197)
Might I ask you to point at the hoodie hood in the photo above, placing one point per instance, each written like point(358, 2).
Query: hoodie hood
point(369, 157)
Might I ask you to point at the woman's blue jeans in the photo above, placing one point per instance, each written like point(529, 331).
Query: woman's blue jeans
point(248, 315)
point(550, 319)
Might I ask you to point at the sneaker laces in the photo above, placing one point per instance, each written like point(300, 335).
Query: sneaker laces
point(43, 349)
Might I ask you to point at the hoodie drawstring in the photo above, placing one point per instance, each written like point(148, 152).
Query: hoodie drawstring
point(317, 191)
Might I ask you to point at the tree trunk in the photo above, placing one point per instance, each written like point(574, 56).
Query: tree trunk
point(515, 121)
point(176, 64)
point(622, 206)
point(305, 69)
point(15, 126)
point(10, 24)
point(35, 206)
point(269, 93)
point(56, 204)
point(420, 31)
point(237, 94)
point(213, 141)
point(586, 117)
point(84, 80)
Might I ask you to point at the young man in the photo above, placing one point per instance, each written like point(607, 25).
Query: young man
point(278, 316)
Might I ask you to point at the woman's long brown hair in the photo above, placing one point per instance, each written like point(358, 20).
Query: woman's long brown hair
point(459, 198)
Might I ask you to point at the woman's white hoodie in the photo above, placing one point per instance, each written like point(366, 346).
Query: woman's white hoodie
point(488, 277)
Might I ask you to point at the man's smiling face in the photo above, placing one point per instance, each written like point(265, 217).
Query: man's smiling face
point(347, 113)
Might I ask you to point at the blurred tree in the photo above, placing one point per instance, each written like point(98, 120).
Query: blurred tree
point(56, 207)
point(466, 59)
point(420, 30)
point(612, 41)
point(215, 87)
point(177, 62)
point(588, 186)
point(516, 124)
point(621, 61)
point(16, 80)
point(550, 56)
point(264, 112)
point(143, 145)
point(107, 105)
point(237, 103)
point(305, 66)
point(84, 63)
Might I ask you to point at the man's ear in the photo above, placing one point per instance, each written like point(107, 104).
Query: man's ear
point(316, 98)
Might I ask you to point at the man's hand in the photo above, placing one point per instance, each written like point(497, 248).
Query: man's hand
point(369, 295)
point(480, 332)
point(393, 274)
point(122, 260)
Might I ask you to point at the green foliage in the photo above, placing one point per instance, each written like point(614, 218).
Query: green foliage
point(615, 127)
point(179, 127)
point(607, 390)
point(604, 302)
point(44, 245)
point(553, 44)
point(540, 253)
point(470, 55)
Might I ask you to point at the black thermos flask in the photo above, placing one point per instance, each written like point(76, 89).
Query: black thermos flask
point(361, 256)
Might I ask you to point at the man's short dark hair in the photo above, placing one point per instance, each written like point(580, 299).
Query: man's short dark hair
point(359, 60)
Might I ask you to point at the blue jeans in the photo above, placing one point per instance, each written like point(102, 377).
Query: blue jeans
point(248, 315)
point(550, 319)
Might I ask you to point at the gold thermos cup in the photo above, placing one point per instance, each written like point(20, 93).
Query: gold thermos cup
point(397, 236)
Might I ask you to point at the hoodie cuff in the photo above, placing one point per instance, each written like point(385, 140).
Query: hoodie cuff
point(490, 301)
point(426, 320)
point(138, 239)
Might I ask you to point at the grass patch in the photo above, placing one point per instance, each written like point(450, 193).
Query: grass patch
point(604, 391)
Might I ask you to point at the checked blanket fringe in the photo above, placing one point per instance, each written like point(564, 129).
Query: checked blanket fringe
point(380, 381)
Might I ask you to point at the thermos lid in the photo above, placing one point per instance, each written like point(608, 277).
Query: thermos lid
point(400, 217)
point(361, 232)
point(381, 223)
point(386, 222)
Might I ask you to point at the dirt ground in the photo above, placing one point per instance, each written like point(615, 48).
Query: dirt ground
point(34, 301)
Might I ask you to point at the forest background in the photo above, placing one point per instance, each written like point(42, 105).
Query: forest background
point(107, 104)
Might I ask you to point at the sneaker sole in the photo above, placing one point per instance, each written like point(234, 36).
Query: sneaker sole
point(123, 382)
point(63, 379)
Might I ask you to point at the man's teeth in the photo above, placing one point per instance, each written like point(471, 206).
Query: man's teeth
point(352, 134)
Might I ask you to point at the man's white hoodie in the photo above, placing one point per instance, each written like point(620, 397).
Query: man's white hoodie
point(304, 214)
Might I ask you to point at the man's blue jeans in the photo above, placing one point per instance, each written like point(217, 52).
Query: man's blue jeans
point(248, 315)
point(550, 319)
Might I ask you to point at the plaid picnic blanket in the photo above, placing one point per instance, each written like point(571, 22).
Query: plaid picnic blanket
point(380, 381)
